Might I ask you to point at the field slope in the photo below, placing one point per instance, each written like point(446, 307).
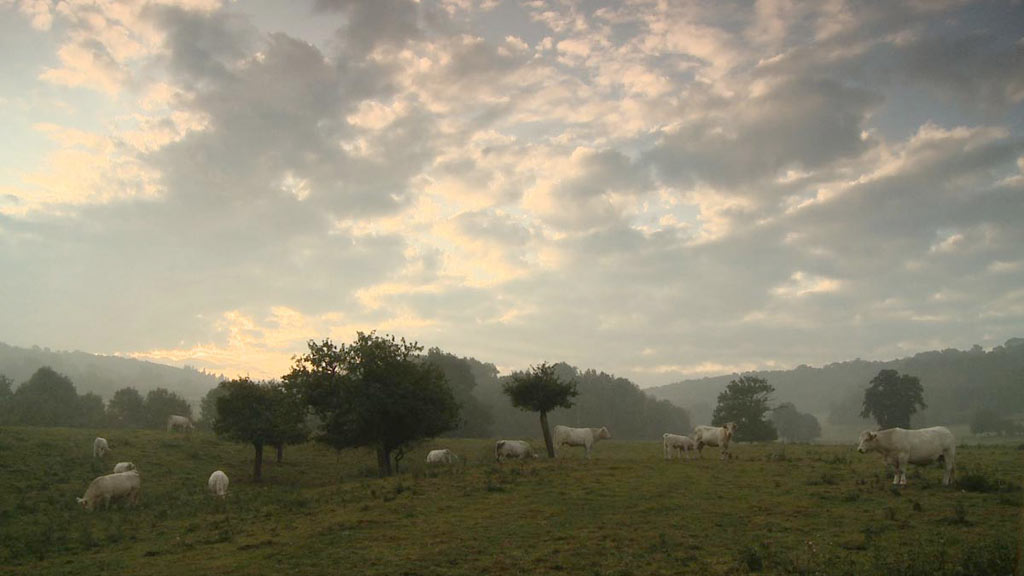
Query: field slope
point(773, 509)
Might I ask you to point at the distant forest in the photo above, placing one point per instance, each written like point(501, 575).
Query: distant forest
point(957, 385)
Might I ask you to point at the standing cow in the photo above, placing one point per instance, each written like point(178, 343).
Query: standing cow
point(442, 456)
point(714, 436)
point(100, 447)
point(677, 444)
point(586, 437)
point(179, 423)
point(900, 447)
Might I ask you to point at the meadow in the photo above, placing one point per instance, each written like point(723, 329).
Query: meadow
point(773, 509)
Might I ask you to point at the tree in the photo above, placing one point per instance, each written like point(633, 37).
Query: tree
point(745, 402)
point(91, 413)
point(6, 394)
point(161, 403)
point(208, 407)
point(476, 417)
point(374, 393)
point(127, 409)
point(793, 425)
point(46, 399)
point(541, 390)
point(261, 414)
point(891, 398)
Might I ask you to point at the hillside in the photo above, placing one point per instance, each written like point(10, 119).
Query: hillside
point(104, 375)
point(956, 383)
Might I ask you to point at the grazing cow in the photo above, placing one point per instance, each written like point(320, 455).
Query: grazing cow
point(443, 456)
point(179, 422)
point(100, 447)
point(674, 443)
point(566, 436)
point(714, 436)
point(900, 447)
point(123, 467)
point(218, 483)
point(513, 449)
point(110, 488)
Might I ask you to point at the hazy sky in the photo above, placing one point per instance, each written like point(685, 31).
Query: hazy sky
point(655, 189)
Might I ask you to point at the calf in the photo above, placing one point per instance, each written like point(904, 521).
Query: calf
point(674, 443)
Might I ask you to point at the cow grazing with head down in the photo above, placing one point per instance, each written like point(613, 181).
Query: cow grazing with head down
point(714, 436)
point(505, 449)
point(218, 483)
point(100, 447)
point(586, 437)
point(182, 423)
point(104, 490)
point(123, 467)
point(677, 444)
point(900, 447)
point(442, 456)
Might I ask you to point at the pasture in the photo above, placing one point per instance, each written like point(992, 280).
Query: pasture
point(774, 509)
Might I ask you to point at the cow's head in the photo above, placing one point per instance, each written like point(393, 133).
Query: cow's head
point(867, 441)
point(83, 503)
point(731, 427)
point(603, 433)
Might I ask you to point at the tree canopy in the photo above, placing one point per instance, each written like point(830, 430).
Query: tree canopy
point(541, 390)
point(46, 399)
point(793, 425)
point(745, 402)
point(891, 398)
point(477, 419)
point(376, 393)
point(161, 403)
point(127, 409)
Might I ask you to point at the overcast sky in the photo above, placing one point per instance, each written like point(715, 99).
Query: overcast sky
point(655, 189)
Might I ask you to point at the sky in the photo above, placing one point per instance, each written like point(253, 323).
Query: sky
point(659, 190)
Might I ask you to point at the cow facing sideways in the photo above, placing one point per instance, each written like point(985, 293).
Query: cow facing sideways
point(123, 467)
point(674, 444)
point(179, 423)
point(218, 483)
point(104, 490)
point(719, 436)
point(443, 456)
point(586, 437)
point(900, 447)
point(100, 448)
point(505, 449)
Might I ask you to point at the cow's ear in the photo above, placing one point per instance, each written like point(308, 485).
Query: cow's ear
point(872, 435)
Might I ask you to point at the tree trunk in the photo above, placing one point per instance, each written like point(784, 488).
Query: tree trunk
point(280, 453)
point(257, 466)
point(383, 462)
point(547, 434)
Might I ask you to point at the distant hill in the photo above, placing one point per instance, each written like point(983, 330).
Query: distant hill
point(956, 383)
point(104, 375)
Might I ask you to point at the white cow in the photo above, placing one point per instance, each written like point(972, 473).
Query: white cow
point(443, 456)
point(674, 443)
point(110, 488)
point(179, 422)
point(513, 449)
point(900, 447)
point(586, 437)
point(100, 447)
point(123, 467)
point(714, 436)
point(218, 483)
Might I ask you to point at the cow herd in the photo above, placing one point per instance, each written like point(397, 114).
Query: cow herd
point(125, 483)
point(897, 446)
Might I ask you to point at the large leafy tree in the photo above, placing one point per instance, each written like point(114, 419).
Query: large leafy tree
point(374, 393)
point(793, 425)
point(46, 399)
point(161, 403)
point(541, 390)
point(476, 417)
point(208, 407)
point(745, 401)
point(91, 413)
point(891, 398)
point(260, 414)
point(127, 409)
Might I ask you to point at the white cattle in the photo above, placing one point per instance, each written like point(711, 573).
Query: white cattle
point(110, 488)
point(443, 456)
point(123, 467)
point(218, 483)
point(714, 436)
point(100, 447)
point(586, 437)
point(179, 423)
point(513, 449)
point(674, 443)
point(900, 447)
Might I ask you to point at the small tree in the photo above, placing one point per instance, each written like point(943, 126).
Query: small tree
point(259, 414)
point(793, 425)
point(374, 393)
point(161, 403)
point(540, 390)
point(91, 413)
point(6, 394)
point(891, 398)
point(127, 409)
point(208, 407)
point(745, 402)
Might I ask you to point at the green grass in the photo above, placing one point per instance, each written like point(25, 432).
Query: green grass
point(771, 510)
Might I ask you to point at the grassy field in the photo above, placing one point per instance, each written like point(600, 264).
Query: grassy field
point(773, 509)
